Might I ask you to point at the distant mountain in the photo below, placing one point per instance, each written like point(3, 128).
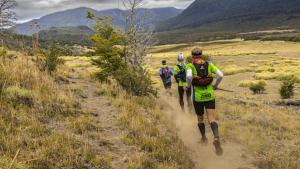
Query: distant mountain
point(77, 17)
point(236, 15)
point(67, 35)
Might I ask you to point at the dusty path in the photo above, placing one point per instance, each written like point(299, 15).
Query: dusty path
point(203, 155)
point(111, 145)
point(109, 141)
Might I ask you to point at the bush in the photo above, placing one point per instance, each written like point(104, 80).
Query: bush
point(287, 88)
point(136, 83)
point(113, 62)
point(51, 59)
point(3, 52)
point(258, 88)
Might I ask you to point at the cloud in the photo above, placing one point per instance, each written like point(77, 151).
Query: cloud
point(28, 9)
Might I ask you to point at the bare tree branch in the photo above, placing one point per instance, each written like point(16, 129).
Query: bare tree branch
point(7, 16)
point(139, 37)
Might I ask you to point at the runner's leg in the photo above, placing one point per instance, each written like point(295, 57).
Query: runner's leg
point(210, 109)
point(199, 108)
point(180, 93)
point(212, 122)
point(189, 99)
point(170, 88)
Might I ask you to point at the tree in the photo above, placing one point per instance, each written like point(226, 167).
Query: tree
point(106, 41)
point(7, 16)
point(139, 38)
point(121, 54)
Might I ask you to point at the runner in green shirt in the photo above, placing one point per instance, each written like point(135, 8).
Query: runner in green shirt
point(180, 76)
point(200, 79)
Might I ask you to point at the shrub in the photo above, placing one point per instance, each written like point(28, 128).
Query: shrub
point(136, 83)
point(3, 53)
point(51, 59)
point(258, 88)
point(287, 88)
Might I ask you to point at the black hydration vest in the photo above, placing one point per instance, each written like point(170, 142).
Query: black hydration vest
point(203, 78)
point(181, 75)
point(202, 70)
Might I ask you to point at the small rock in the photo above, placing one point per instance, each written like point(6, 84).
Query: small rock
point(125, 159)
point(244, 156)
point(104, 143)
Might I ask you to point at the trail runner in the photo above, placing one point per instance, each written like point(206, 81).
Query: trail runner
point(200, 80)
point(180, 77)
point(166, 74)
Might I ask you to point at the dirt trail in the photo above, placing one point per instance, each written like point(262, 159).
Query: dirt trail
point(112, 146)
point(110, 140)
point(204, 155)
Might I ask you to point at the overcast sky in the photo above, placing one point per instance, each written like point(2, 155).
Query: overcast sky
point(29, 9)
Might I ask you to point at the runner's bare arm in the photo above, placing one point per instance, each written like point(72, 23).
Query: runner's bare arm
point(220, 76)
point(189, 78)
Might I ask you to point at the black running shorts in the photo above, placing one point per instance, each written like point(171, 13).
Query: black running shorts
point(201, 106)
point(168, 85)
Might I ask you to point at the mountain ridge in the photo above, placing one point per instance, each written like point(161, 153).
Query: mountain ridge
point(77, 17)
point(219, 14)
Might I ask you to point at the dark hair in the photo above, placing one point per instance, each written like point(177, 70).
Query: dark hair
point(196, 52)
point(163, 62)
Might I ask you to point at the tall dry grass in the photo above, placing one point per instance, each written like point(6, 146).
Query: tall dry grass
point(147, 129)
point(34, 113)
point(271, 133)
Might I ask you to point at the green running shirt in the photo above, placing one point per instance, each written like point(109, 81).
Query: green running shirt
point(203, 94)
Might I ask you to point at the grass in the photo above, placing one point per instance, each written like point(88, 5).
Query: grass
point(234, 69)
point(147, 129)
point(274, 138)
point(19, 96)
point(269, 132)
point(81, 62)
point(41, 126)
point(40, 122)
point(279, 69)
point(82, 124)
point(249, 83)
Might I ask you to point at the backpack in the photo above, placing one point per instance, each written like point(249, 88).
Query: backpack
point(165, 73)
point(181, 75)
point(203, 78)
